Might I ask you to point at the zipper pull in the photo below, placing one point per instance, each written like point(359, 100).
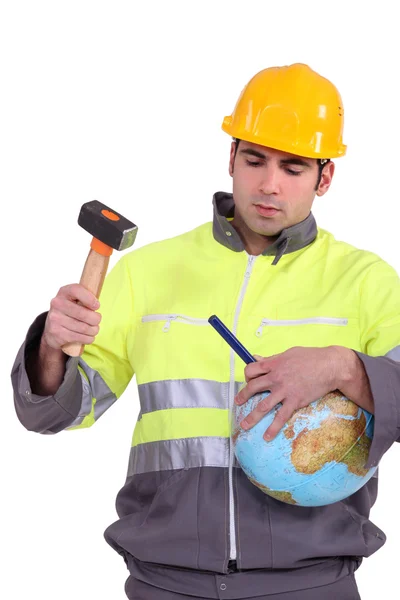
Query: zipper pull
point(249, 266)
point(167, 325)
point(261, 327)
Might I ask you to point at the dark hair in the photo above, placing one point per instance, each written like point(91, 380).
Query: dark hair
point(320, 161)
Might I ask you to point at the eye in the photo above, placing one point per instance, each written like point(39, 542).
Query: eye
point(253, 163)
point(294, 173)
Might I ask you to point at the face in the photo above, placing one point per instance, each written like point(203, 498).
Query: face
point(273, 190)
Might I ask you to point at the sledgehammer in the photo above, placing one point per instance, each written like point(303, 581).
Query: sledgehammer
point(110, 231)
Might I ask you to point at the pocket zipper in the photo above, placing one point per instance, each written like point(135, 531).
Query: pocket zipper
point(311, 320)
point(169, 318)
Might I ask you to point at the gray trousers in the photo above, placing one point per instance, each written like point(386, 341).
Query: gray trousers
point(343, 589)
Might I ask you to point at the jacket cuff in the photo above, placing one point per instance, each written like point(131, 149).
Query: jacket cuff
point(384, 378)
point(45, 414)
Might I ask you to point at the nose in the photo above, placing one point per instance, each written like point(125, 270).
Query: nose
point(269, 182)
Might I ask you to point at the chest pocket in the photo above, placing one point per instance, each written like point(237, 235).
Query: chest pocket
point(167, 319)
point(318, 331)
point(177, 346)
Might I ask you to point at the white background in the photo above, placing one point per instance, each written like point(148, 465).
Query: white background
point(123, 102)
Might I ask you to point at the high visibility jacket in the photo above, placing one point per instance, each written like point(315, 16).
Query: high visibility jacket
point(186, 503)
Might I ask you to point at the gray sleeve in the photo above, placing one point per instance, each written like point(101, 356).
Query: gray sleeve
point(45, 414)
point(384, 378)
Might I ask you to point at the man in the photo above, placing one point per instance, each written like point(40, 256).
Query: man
point(320, 314)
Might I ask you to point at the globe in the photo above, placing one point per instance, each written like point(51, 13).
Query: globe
point(317, 458)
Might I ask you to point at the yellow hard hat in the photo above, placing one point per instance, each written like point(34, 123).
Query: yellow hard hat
point(291, 108)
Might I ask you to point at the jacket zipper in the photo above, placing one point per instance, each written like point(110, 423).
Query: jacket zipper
point(232, 531)
point(309, 321)
point(169, 318)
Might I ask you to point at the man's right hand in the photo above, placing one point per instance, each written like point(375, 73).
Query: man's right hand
point(71, 318)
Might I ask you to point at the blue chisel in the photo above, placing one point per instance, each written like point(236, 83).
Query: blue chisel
point(231, 339)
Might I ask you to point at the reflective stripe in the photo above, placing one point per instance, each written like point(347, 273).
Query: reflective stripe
point(394, 354)
point(175, 423)
point(179, 454)
point(184, 393)
point(78, 421)
point(96, 396)
point(184, 423)
point(87, 396)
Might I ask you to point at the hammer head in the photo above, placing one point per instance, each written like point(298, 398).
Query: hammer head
point(106, 225)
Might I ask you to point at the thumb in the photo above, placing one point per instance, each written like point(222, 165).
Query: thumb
point(257, 357)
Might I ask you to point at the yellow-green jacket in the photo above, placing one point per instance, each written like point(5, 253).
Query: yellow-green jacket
point(185, 502)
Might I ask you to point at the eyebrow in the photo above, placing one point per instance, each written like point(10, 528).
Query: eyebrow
point(285, 161)
point(295, 161)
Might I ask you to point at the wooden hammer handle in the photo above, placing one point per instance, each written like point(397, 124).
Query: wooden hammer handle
point(92, 278)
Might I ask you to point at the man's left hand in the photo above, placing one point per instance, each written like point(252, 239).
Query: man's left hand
point(295, 378)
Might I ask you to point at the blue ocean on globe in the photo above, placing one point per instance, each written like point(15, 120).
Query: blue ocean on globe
point(319, 456)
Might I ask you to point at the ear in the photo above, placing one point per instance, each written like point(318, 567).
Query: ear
point(232, 158)
point(326, 178)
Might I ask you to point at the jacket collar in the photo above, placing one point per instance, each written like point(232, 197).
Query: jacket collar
point(290, 239)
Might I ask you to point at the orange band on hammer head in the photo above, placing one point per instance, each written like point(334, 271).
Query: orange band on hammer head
point(110, 215)
point(100, 247)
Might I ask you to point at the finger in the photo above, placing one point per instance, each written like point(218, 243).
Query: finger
point(259, 369)
point(62, 321)
point(254, 386)
point(76, 292)
point(65, 336)
point(260, 411)
point(281, 418)
point(254, 369)
point(261, 366)
point(64, 306)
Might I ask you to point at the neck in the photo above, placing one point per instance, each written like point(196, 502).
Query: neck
point(254, 243)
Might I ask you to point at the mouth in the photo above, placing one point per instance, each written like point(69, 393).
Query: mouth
point(266, 210)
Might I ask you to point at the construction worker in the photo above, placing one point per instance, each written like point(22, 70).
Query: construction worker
point(191, 524)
